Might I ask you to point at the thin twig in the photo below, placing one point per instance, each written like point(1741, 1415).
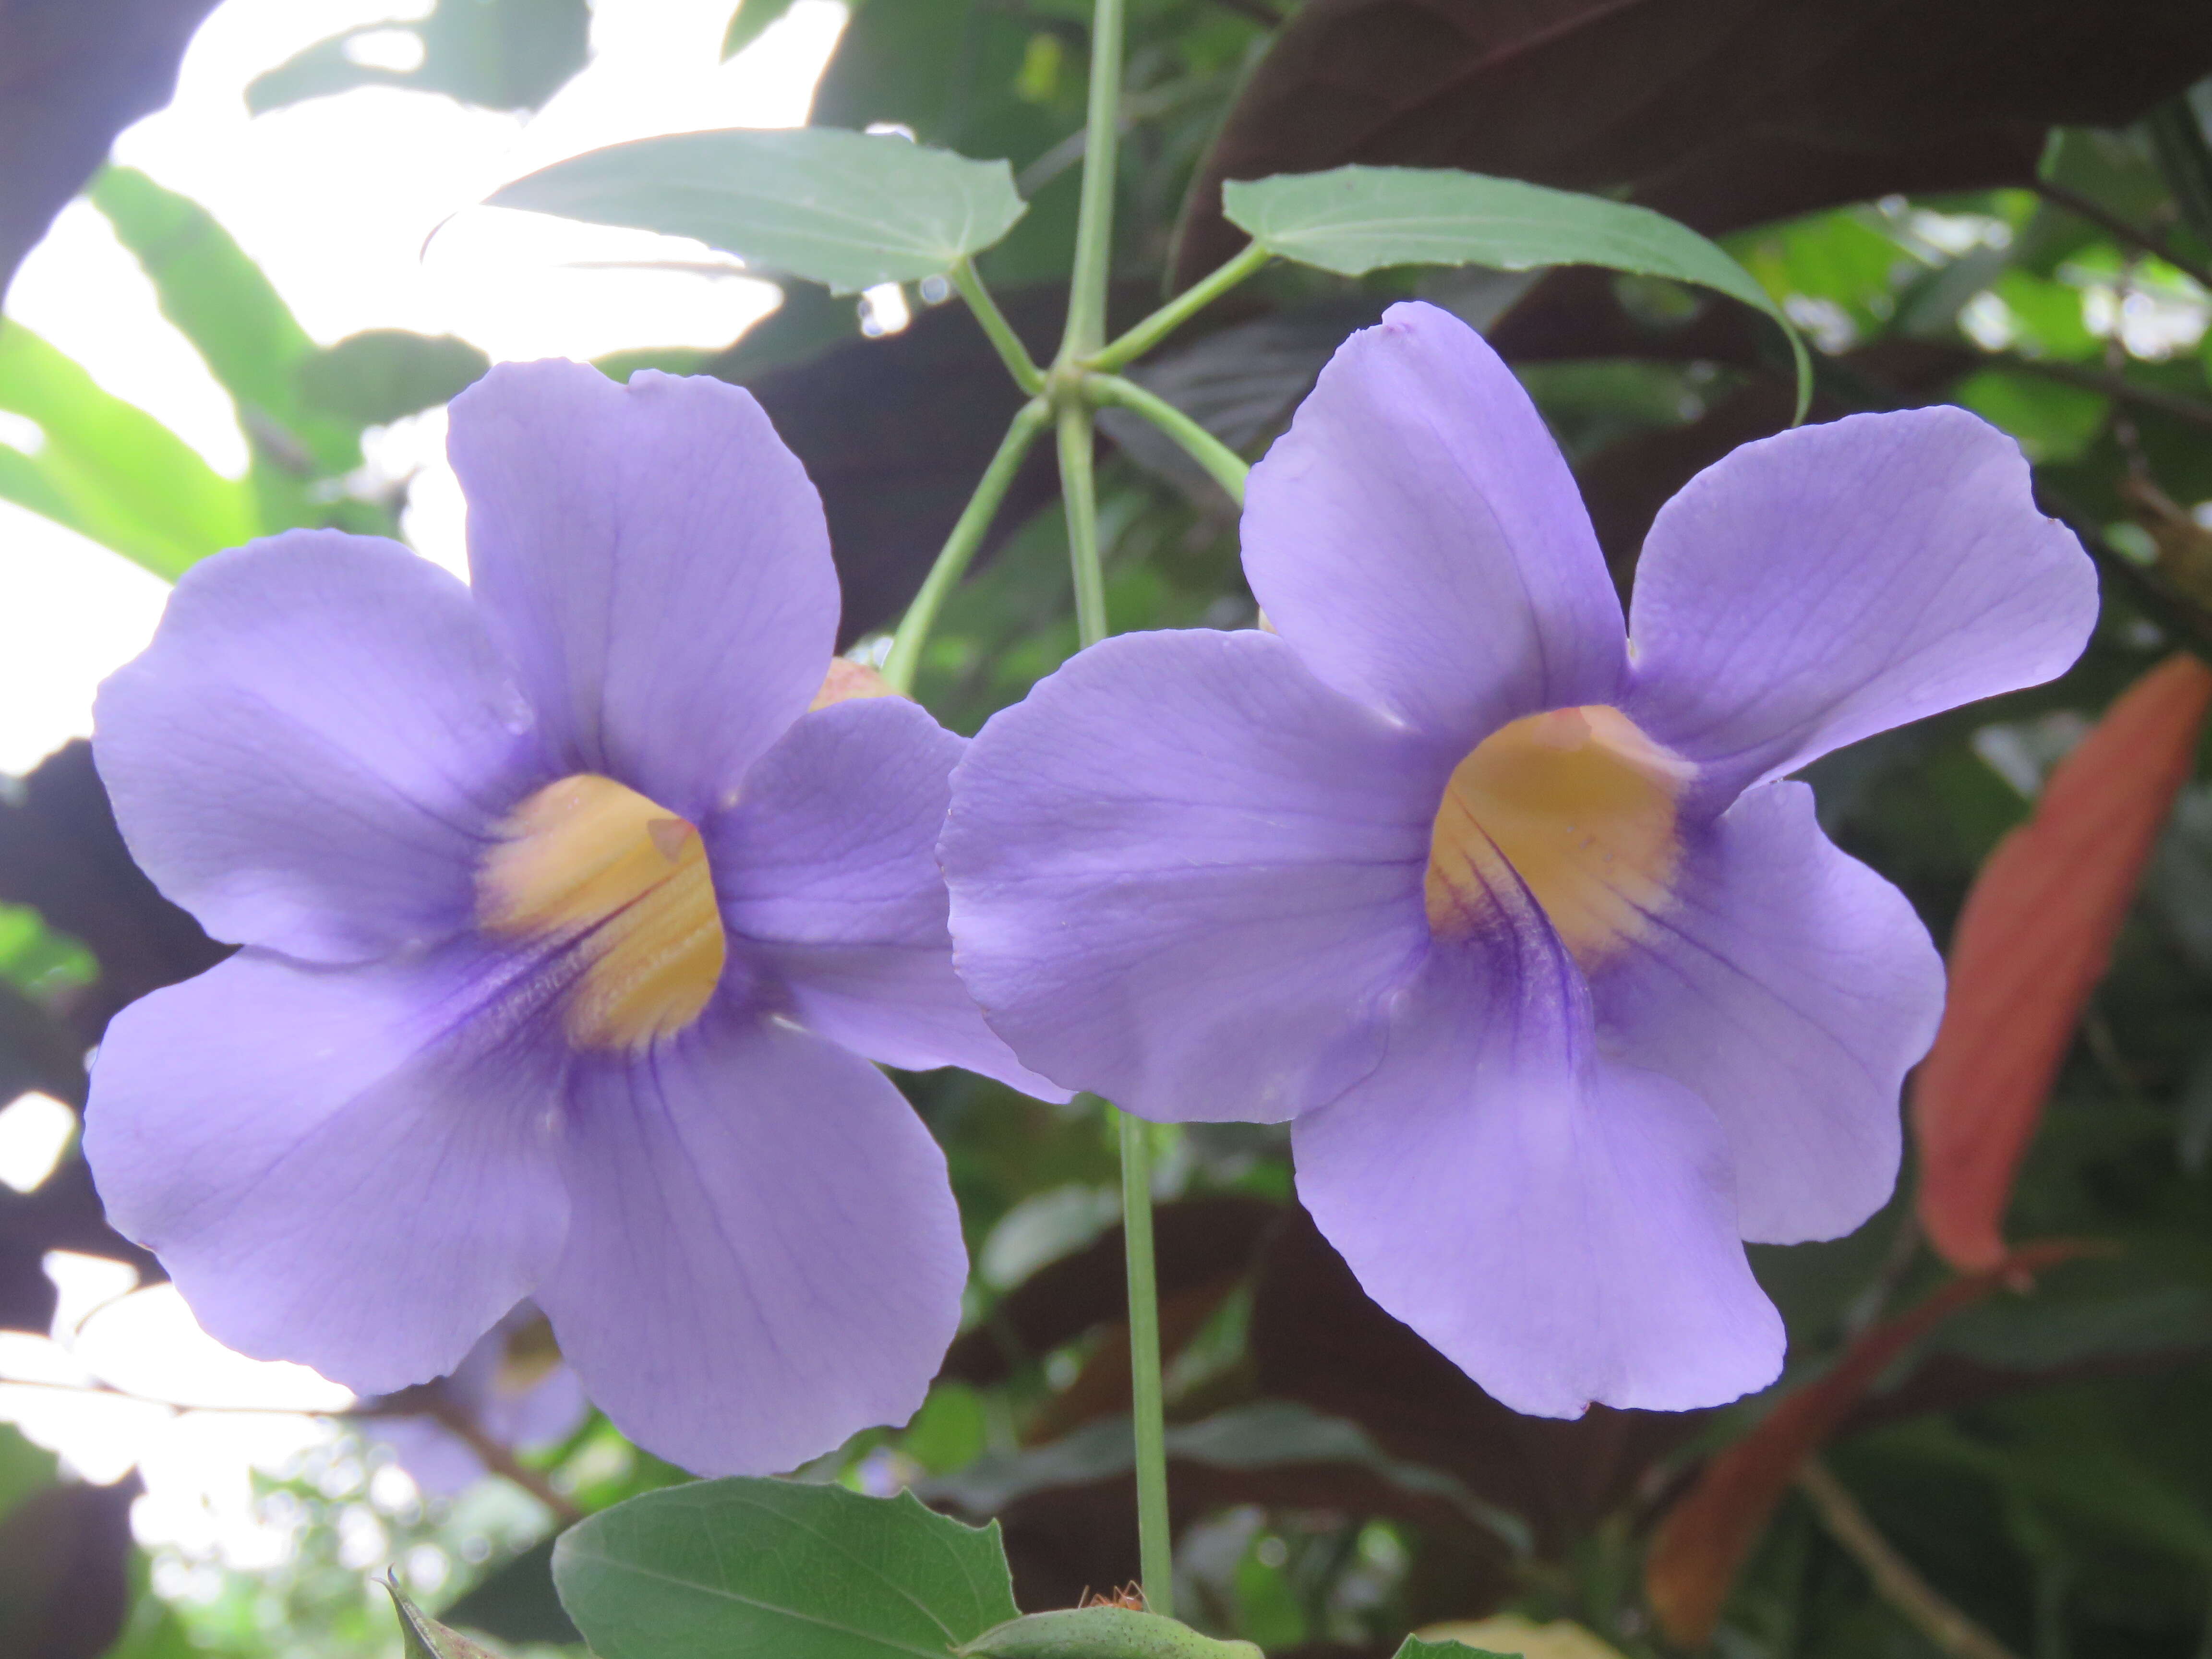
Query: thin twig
point(421, 1402)
point(2140, 236)
point(500, 1459)
point(1896, 1580)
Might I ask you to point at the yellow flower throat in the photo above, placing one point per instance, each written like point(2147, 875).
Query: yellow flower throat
point(1578, 803)
point(619, 886)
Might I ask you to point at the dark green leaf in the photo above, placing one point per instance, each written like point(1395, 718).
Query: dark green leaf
point(502, 54)
point(421, 1636)
point(517, 1603)
point(837, 207)
point(375, 378)
point(1356, 219)
point(721, 1567)
point(1413, 1648)
point(751, 20)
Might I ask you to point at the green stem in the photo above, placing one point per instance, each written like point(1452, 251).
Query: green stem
point(1087, 333)
point(1078, 488)
point(1155, 1558)
point(1178, 310)
point(960, 546)
point(1012, 352)
point(1223, 464)
point(1094, 226)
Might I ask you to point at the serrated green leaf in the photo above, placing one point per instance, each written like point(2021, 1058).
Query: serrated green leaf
point(1353, 220)
point(110, 471)
point(421, 1636)
point(751, 20)
point(718, 1567)
point(841, 209)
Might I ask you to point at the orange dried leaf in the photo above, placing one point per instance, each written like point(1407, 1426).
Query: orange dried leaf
point(2034, 938)
point(1703, 1539)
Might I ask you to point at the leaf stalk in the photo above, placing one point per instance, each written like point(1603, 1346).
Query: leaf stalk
point(1222, 464)
point(967, 534)
point(1180, 310)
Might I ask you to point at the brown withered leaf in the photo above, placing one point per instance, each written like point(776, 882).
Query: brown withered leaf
point(1720, 113)
point(2035, 937)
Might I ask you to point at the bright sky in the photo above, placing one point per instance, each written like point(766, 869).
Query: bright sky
point(335, 199)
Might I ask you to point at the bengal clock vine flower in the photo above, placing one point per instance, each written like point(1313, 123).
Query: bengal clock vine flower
point(567, 926)
point(1522, 926)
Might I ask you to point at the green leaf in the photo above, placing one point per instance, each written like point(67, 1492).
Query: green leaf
point(24, 1469)
point(517, 1603)
point(375, 377)
point(502, 54)
point(1353, 220)
point(221, 302)
point(751, 20)
point(1101, 1632)
point(718, 1567)
point(421, 1636)
point(837, 207)
point(1413, 1648)
point(110, 471)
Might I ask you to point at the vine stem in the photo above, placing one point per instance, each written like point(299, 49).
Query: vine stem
point(1178, 310)
point(1066, 388)
point(960, 546)
point(1222, 464)
point(1008, 345)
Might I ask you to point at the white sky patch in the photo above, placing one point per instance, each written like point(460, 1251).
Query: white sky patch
point(334, 198)
point(34, 1132)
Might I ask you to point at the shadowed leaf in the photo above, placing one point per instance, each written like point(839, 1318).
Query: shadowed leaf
point(71, 78)
point(1718, 113)
point(1703, 1539)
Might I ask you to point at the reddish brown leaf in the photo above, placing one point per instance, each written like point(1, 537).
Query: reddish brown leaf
point(2034, 938)
point(1697, 1548)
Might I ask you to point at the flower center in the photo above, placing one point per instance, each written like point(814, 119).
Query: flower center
point(1579, 805)
point(620, 885)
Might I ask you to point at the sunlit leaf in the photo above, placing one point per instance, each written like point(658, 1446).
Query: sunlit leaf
point(718, 1567)
point(1353, 220)
point(751, 20)
point(838, 208)
point(502, 54)
point(110, 471)
point(2034, 938)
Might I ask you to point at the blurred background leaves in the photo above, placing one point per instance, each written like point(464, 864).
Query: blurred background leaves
point(2008, 206)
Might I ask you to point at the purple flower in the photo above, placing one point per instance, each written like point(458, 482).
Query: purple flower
point(512, 1389)
point(567, 926)
point(1564, 990)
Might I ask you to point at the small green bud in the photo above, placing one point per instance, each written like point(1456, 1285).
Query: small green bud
point(1100, 1632)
